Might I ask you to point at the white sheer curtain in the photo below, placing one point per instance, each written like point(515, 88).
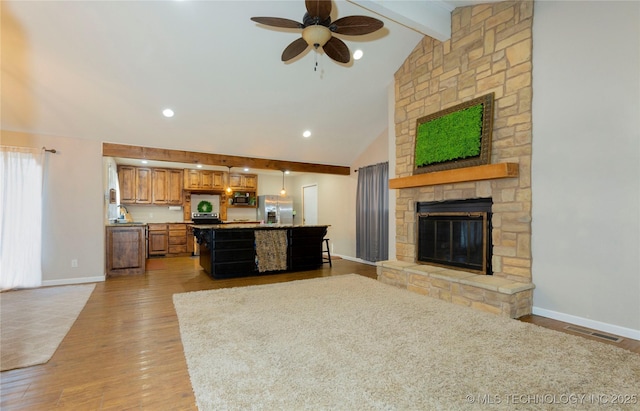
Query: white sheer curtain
point(21, 217)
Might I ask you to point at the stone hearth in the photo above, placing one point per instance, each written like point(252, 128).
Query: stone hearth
point(486, 293)
point(489, 51)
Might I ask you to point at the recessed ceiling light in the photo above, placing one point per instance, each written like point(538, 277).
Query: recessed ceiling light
point(199, 166)
point(286, 171)
point(246, 169)
point(144, 161)
point(357, 55)
point(167, 112)
point(306, 134)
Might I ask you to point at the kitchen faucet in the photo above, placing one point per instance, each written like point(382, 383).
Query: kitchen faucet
point(123, 215)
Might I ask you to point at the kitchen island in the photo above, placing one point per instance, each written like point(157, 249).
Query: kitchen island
point(243, 250)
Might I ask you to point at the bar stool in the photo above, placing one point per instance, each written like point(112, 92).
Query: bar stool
point(327, 258)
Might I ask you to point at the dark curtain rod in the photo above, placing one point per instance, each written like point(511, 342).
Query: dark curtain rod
point(49, 150)
point(371, 165)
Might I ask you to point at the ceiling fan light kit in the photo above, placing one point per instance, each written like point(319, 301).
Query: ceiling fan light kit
point(318, 30)
point(316, 36)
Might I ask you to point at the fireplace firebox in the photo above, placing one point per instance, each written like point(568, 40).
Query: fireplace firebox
point(455, 234)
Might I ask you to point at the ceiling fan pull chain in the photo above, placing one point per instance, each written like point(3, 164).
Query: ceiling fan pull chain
point(315, 68)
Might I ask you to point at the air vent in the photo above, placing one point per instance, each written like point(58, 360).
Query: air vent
point(596, 334)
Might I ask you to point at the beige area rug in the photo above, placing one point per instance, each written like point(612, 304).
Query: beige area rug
point(34, 322)
point(353, 343)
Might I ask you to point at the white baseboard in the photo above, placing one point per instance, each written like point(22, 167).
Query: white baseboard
point(357, 260)
point(71, 281)
point(585, 322)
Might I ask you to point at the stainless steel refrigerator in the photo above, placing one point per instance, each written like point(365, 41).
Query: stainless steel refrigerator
point(275, 209)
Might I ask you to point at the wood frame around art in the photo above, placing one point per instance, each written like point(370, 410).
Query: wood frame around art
point(487, 102)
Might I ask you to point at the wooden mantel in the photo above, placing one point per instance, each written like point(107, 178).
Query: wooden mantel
point(458, 175)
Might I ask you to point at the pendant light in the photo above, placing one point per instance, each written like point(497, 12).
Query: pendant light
point(283, 191)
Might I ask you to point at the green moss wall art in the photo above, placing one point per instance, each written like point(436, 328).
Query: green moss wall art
point(456, 137)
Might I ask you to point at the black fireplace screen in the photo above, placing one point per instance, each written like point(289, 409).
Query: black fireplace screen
point(456, 239)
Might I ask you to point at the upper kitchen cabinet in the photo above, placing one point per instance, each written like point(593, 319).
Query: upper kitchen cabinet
point(143, 186)
point(243, 182)
point(203, 180)
point(127, 182)
point(175, 187)
point(135, 185)
point(140, 185)
point(167, 186)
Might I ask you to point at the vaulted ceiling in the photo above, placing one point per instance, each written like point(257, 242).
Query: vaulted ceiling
point(105, 70)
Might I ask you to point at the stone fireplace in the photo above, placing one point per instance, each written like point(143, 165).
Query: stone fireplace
point(489, 51)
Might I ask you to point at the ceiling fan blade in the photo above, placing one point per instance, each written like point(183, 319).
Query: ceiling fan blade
point(356, 25)
point(337, 50)
point(294, 49)
point(278, 22)
point(319, 8)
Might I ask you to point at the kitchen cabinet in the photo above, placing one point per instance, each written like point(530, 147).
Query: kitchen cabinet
point(177, 238)
point(243, 182)
point(158, 239)
point(141, 185)
point(203, 180)
point(160, 183)
point(127, 183)
point(174, 190)
point(169, 239)
point(125, 250)
point(135, 185)
point(167, 186)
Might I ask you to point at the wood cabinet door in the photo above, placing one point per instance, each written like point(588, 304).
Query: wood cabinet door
point(236, 182)
point(174, 189)
point(125, 250)
point(143, 185)
point(243, 182)
point(127, 182)
point(160, 185)
point(218, 180)
point(206, 179)
point(158, 242)
point(191, 179)
point(250, 182)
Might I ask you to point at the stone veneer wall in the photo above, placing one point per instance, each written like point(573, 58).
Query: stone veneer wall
point(489, 51)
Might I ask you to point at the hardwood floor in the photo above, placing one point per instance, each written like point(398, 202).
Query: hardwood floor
point(124, 350)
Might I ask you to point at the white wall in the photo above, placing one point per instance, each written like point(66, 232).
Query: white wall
point(334, 204)
point(73, 208)
point(586, 164)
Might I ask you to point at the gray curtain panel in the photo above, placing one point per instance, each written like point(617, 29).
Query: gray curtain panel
point(372, 213)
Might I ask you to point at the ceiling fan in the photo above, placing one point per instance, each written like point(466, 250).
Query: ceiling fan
point(317, 30)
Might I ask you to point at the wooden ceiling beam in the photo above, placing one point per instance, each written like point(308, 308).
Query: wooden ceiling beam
point(191, 157)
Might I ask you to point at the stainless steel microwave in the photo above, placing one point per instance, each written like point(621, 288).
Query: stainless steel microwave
point(241, 200)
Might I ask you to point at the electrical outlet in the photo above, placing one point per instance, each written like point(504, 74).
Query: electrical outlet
point(74, 263)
